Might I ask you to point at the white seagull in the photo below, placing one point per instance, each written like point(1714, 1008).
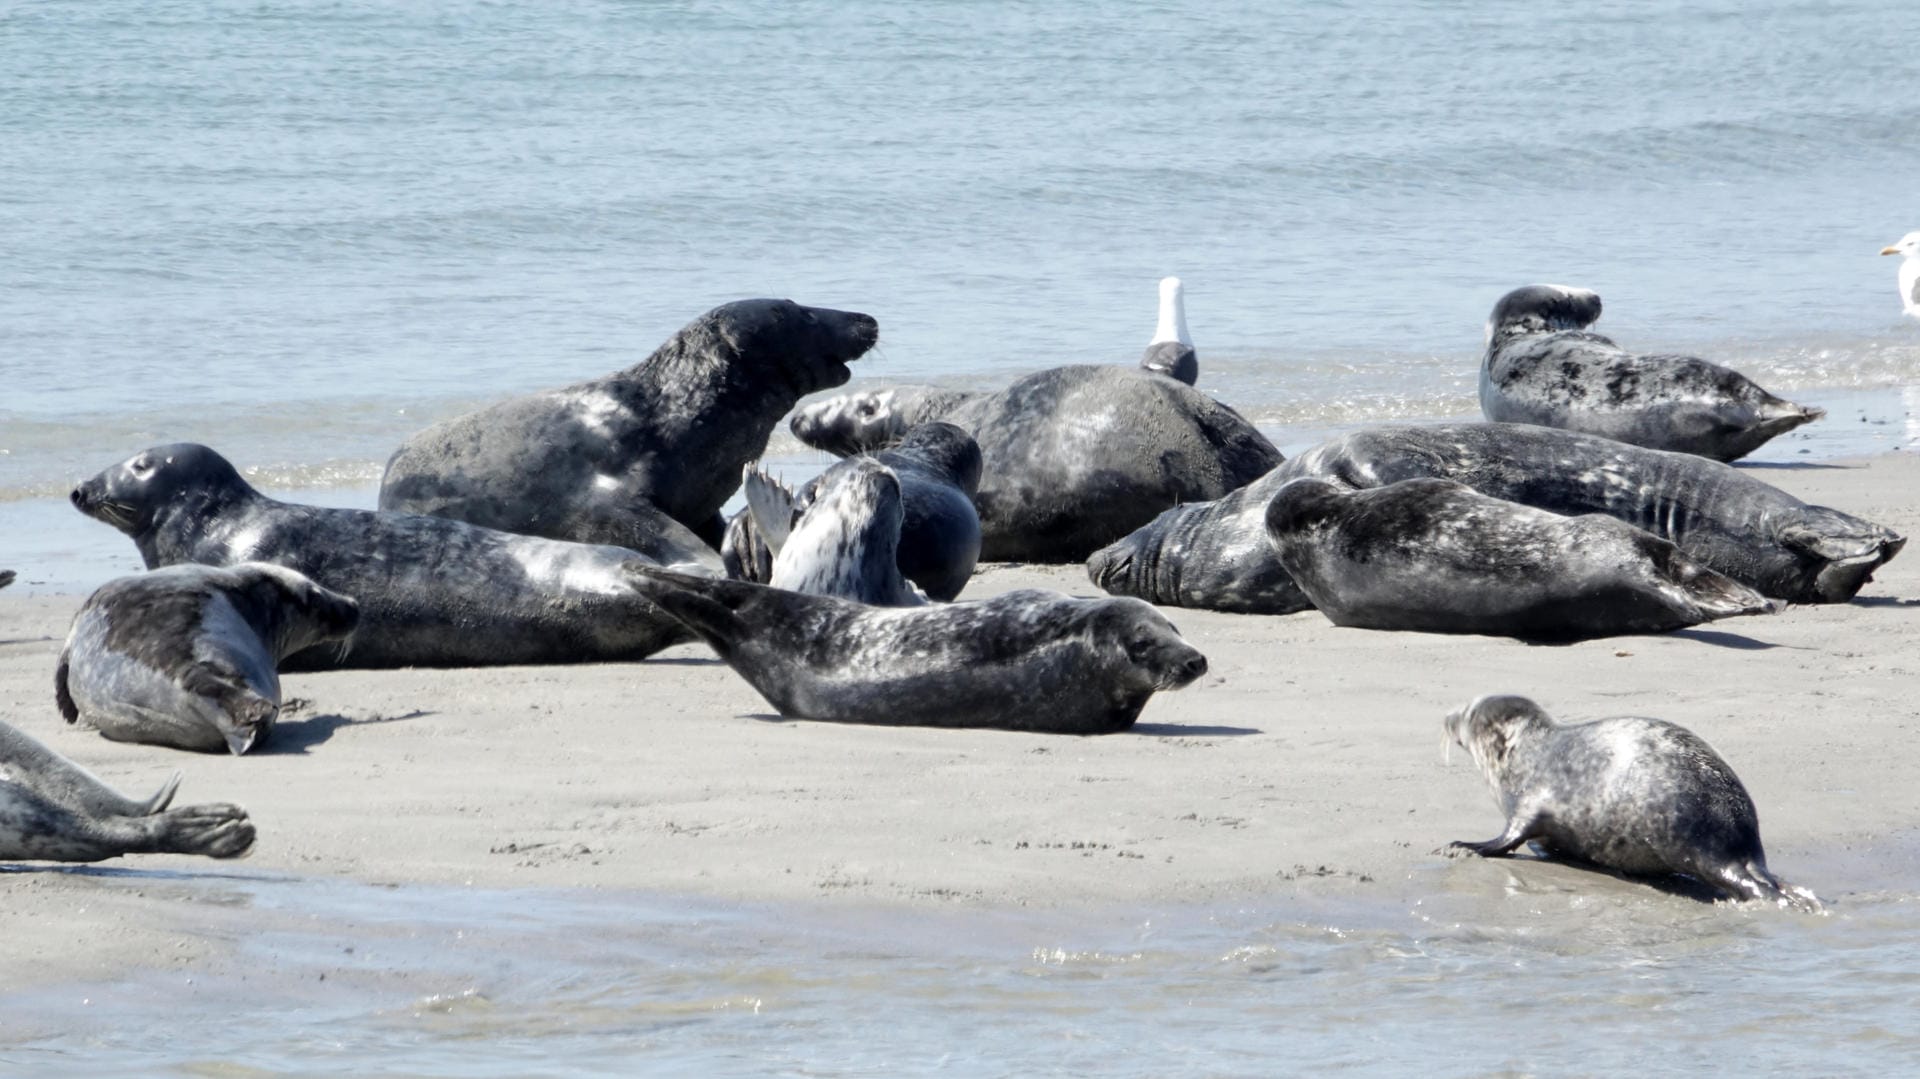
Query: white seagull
point(1909, 246)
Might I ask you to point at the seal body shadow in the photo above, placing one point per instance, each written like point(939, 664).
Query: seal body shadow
point(52, 810)
point(1028, 660)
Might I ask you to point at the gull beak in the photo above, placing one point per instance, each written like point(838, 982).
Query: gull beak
point(1889, 250)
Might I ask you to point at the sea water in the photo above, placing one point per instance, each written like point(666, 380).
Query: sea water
point(299, 232)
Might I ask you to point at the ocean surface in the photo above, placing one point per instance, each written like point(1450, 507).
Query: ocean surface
point(299, 232)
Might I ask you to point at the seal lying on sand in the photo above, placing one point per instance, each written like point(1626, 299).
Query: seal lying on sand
point(432, 592)
point(602, 461)
point(6, 577)
point(1075, 457)
point(1028, 660)
point(1735, 524)
point(52, 810)
point(1171, 351)
point(938, 469)
point(1640, 796)
point(845, 543)
point(187, 656)
point(1435, 556)
point(1543, 366)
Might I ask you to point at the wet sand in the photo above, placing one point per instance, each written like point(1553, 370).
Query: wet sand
point(1307, 760)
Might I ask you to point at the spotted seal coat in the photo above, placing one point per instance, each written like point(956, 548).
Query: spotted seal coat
point(845, 543)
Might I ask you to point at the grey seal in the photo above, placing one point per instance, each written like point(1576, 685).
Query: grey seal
point(6, 577)
point(845, 543)
point(1544, 366)
point(187, 656)
point(1438, 557)
point(1170, 353)
point(1640, 796)
point(1075, 457)
point(1026, 660)
point(1753, 532)
point(432, 592)
point(938, 469)
point(52, 810)
point(611, 460)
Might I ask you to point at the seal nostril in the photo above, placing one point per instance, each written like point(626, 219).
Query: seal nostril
point(78, 497)
point(1196, 666)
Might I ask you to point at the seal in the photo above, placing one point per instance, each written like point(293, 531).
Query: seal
point(938, 469)
point(845, 543)
point(1026, 660)
point(432, 592)
point(1640, 796)
point(1753, 532)
point(1544, 366)
point(1075, 457)
point(1170, 353)
point(187, 656)
point(52, 810)
point(609, 461)
point(1437, 557)
point(6, 577)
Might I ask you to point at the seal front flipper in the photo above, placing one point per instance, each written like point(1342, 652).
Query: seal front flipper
point(771, 505)
point(702, 604)
point(1518, 831)
point(249, 712)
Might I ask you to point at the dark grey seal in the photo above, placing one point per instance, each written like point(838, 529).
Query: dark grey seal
point(432, 592)
point(1170, 353)
point(1437, 557)
point(1640, 796)
point(187, 656)
point(845, 543)
point(938, 469)
point(52, 810)
point(1543, 366)
point(1028, 660)
point(1075, 457)
point(1755, 533)
point(608, 461)
point(6, 577)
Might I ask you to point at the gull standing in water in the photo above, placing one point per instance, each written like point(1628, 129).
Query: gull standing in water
point(1909, 246)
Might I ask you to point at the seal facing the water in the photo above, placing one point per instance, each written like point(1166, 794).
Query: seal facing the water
point(1641, 796)
point(620, 459)
point(1438, 557)
point(52, 810)
point(188, 656)
point(1027, 660)
point(432, 592)
point(1544, 366)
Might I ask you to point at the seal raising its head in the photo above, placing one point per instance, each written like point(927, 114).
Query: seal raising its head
point(844, 543)
point(607, 461)
point(1542, 366)
point(1640, 796)
point(52, 810)
point(1028, 660)
point(187, 656)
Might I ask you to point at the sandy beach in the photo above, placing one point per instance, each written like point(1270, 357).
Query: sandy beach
point(1308, 759)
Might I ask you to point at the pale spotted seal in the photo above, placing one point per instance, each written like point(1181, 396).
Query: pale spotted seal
point(1640, 796)
point(188, 656)
point(845, 543)
point(1438, 557)
point(603, 461)
point(432, 592)
point(1027, 660)
point(52, 810)
point(1544, 366)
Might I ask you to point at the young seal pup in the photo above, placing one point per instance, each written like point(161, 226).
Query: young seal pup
point(608, 461)
point(1028, 660)
point(1640, 796)
point(1436, 556)
point(1543, 366)
point(52, 810)
point(187, 656)
point(845, 543)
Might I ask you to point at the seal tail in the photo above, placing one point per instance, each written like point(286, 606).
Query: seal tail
point(1715, 594)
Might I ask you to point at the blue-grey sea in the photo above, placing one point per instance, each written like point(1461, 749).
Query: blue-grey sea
point(299, 231)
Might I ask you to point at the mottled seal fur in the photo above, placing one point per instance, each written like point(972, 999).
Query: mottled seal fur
point(1075, 457)
point(1640, 796)
point(1438, 557)
point(938, 469)
point(608, 461)
point(1544, 366)
point(52, 810)
point(1170, 353)
point(187, 656)
point(432, 592)
point(845, 543)
point(1755, 533)
point(1028, 660)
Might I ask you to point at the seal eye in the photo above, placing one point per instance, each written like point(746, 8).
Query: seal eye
point(141, 467)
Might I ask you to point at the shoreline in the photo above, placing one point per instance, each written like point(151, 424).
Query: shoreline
point(1306, 762)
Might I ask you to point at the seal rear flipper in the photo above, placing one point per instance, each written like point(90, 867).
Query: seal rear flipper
point(770, 504)
point(217, 831)
point(702, 604)
point(1752, 880)
point(1851, 548)
point(250, 713)
point(61, 694)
